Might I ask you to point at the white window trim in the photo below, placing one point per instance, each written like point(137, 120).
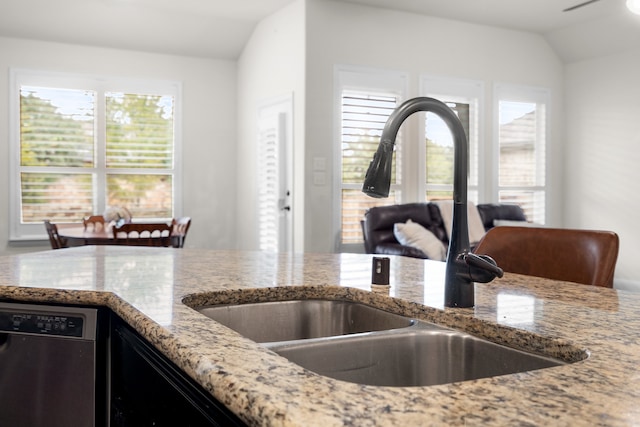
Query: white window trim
point(441, 87)
point(521, 93)
point(357, 78)
point(19, 77)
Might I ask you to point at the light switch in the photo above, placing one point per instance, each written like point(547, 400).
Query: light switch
point(319, 164)
point(319, 178)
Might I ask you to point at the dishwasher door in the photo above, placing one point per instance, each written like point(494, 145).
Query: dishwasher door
point(47, 366)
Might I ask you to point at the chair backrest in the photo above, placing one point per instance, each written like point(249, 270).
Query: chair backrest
point(491, 212)
point(95, 222)
point(127, 217)
point(56, 241)
point(581, 256)
point(180, 227)
point(143, 234)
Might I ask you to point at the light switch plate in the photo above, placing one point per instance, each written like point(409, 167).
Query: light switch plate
point(319, 164)
point(319, 178)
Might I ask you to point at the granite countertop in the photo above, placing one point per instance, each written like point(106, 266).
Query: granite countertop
point(147, 286)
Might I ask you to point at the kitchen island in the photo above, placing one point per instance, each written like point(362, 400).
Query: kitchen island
point(147, 286)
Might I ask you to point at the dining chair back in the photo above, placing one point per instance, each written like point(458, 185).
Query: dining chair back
point(180, 228)
point(581, 256)
point(56, 241)
point(127, 217)
point(143, 234)
point(93, 222)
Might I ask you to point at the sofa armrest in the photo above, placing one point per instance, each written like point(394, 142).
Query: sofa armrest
point(398, 249)
point(491, 212)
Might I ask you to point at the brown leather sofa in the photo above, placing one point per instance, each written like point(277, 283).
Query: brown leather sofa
point(378, 223)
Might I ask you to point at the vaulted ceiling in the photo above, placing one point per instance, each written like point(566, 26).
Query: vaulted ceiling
point(600, 28)
point(220, 28)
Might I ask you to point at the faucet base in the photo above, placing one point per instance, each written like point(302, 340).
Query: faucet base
point(459, 293)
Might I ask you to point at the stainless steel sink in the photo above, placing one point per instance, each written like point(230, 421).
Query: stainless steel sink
point(302, 319)
point(353, 342)
point(420, 357)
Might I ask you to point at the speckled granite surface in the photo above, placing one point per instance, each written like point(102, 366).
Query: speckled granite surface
point(147, 286)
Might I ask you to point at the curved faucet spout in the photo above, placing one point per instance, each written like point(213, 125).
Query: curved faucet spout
point(463, 268)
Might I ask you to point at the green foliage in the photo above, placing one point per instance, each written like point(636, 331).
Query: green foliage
point(141, 193)
point(139, 131)
point(439, 163)
point(57, 130)
point(49, 137)
point(356, 157)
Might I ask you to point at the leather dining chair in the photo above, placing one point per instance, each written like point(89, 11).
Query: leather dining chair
point(56, 241)
point(581, 256)
point(143, 234)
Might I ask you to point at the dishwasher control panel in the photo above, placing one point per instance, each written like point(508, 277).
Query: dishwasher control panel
point(41, 324)
point(66, 322)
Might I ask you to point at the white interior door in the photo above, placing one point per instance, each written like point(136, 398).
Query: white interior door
point(275, 165)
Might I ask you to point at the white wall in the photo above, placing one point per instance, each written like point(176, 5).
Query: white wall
point(340, 33)
point(208, 127)
point(603, 154)
point(271, 66)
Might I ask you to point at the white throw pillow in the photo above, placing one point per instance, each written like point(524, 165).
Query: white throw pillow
point(413, 234)
point(474, 222)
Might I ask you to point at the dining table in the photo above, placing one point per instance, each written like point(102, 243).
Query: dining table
point(76, 234)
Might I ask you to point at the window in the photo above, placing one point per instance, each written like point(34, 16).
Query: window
point(366, 99)
point(464, 97)
point(81, 144)
point(521, 139)
point(424, 171)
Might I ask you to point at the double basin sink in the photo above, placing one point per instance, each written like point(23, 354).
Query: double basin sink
point(354, 342)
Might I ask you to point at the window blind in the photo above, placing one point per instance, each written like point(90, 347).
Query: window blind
point(522, 142)
point(56, 127)
point(57, 135)
point(363, 118)
point(268, 187)
point(139, 131)
point(140, 135)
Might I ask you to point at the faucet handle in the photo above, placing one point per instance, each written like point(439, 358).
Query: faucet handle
point(483, 268)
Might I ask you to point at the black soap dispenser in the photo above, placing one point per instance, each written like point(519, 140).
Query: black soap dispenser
point(380, 275)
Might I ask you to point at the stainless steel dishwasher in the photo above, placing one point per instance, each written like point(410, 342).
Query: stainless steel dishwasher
point(47, 365)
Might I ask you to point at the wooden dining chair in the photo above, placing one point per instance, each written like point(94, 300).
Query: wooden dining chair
point(56, 241)
point(127, 217)
point(180, 228)
point(94, 222)
point(143, 234)
point(581, 256)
